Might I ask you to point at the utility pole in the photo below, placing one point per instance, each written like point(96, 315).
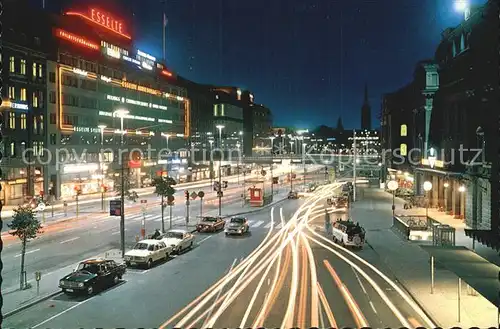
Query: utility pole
point(354, 166)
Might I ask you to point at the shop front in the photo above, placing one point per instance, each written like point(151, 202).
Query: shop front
point(446, 191)
point(16, 189)
point(86, 177)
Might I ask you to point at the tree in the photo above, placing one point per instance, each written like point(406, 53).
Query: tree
point(25, 226)
point(117, 180)
point(163, 188)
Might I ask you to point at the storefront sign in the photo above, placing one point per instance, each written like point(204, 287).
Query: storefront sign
point(80, 72)
point(18, 181)
point(134, 86)
point(80, 167)
point(76, 39)
point(147, 66)
point(131, 60)
point(113, 53)
point(105, 78)
point(103, 19)
point(19, 106)
point(86, 130)
point(135, 164)
point(149, 163)
point(432, 162)
point(147, 56)
point(164, 121)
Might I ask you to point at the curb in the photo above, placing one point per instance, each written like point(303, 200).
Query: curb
point(403, 285)
point(32, 303)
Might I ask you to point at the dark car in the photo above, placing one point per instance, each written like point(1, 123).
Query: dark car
point(92, 275)
point(237, 225)
point(210, 224)
point(293, 195)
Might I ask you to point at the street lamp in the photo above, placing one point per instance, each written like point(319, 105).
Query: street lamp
point(461, 189)
point(427, 188)
point(446, 185)
point(304, 162)
point(219, 192)
point(393, 186)
point(121, 113)
point(211, 142)
point(101, 128)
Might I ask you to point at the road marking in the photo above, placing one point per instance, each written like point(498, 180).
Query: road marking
point(278, 227)
point(359, 280)
point(373, 308)
point(259, 223)
point(118, 232)
point(208, 237)
point(218, 294)
point(61, 313)
point(27, 252)
point(268, 225)
point(69, 240)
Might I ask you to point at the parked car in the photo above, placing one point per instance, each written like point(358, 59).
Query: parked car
point(293, 195)
point(91, 275)
point(210, 224)
point(347, 233)
point(147, 252)
point(237, 225)
point(178, 239)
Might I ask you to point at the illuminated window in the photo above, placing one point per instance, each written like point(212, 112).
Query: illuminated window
point(403, 150)
point(23, 67)
point(13, 149)
point(40, 70)
point(34, 70)
point(404, 130)
point(40, 122)
point(34, 125)
point(23, 121)
point(35, 100)
point(12, 120)
point(12, 64)
point(23, 94)
point(12, 92)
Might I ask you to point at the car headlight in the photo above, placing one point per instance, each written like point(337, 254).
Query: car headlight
point(81, 284)
point(61, 283)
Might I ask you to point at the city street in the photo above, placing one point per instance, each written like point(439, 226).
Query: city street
point(284, 273)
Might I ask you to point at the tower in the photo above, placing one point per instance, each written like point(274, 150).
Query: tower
point(366, 115)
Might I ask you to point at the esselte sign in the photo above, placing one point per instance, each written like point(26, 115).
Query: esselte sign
point(103, 19)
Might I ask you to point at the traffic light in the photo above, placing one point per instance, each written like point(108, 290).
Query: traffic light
point(275, 180)
point(225, 184)
point(294, 176)
point(186, 194)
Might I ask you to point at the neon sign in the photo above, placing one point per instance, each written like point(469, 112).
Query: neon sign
point(76, 39)
point(147, 66)
point(80, 72)
point(148, 90)
point(19, 106)
point(166, 73)
point(131, 60)
point(147, 56)
point(113, 53)
point(103, 19)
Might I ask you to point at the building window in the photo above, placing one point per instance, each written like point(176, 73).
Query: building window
point(23, 94)
point(33, 69)
point(12, 64)
point(35, 124)
point(40, 123)
point(37, 41)
point(23, 121)
point(53, 139)
point(404, 130)
point(403, 150)
point(454, 49)
point(52, 97)
point(12, 120)
point(462, 43)
point(12, 92)
point(35, 99)
point(52, 77)
point(40, 70)
point(53, 119)
point(23, 67)
point(12, 149)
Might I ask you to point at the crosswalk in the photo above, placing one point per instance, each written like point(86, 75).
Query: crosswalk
point(181, 219)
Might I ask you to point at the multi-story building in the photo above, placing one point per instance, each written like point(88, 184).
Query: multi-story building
point(105, 94)
point(465, 120)
point(24, 104)
point(262, 122)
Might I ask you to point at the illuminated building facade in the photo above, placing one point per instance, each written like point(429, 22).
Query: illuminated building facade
point(24, 104)
point(97, 81)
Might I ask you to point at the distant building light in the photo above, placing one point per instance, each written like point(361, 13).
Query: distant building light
point(147, 56)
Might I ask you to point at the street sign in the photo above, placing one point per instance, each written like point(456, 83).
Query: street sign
point(41, 206)
point(194, 195)
point(170, 198)
point(201, 194)
point(220, 194)
point(115, 207)
point(38, 276)
point(144, 201)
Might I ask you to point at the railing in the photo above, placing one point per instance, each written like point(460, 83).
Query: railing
point(401, 226)
point(407, 224)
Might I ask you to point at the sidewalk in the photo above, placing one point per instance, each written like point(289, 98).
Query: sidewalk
point(15, 300)
point(411, 265)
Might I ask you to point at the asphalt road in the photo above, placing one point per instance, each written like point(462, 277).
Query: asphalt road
point(148, 297)
point(284, 276)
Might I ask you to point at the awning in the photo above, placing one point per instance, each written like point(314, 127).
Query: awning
point(439, 172)
point(487, 237)
point(474, 270)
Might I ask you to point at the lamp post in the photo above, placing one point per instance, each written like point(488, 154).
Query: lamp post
point(463, 6)
point(291, 173)
point(211, 142)
point(304, 162)
point(121, 114)
point(219, 192)
point(238, 163)
point(427, 188)
point(272, 164)
point(393, 186)
point(101, 128)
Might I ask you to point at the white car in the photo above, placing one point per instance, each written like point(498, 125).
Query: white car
point(147, 252)
point(347, 233)
point(179, 240)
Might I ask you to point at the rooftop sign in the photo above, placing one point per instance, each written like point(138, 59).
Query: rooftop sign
point(103, 19)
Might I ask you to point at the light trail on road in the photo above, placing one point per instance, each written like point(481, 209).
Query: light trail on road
point(296, 279)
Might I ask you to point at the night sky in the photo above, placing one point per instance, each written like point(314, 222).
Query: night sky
point(306, 60)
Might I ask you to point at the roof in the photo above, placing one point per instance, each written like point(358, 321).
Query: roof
point(476, 271)
point(178, 230)
point(95, 261)
point(148, 241)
